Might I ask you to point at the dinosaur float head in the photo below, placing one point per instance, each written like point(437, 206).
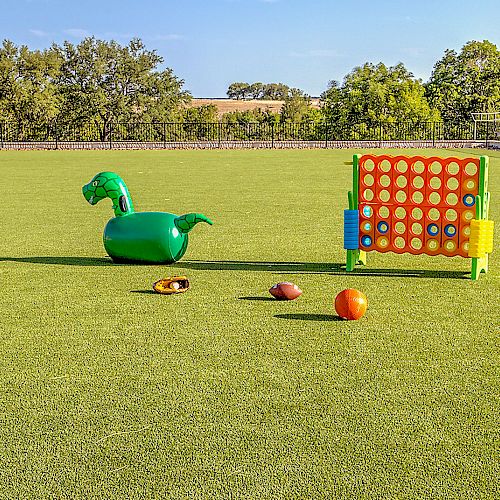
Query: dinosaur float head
point(109, 185)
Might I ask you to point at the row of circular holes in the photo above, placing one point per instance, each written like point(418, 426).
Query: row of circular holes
point(417, 213)
point(417, 244)
point(416, 228)
point(417, 197)
point(418, 182)
point(418, 167)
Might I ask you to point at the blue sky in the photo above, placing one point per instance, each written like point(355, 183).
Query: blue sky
point(305, 44)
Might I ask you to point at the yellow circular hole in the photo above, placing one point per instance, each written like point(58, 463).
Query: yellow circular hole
point(384, 196)
point(465, 246)
point(400, 196)
point(400, 213)
point(471, 169)
point(418, 182)
point(368, 194)
point(416, 243)
point(384, 212)
point(400, 227)
point(401, 181)
point(385, 181)
point(385, 166)
point(451, 215)
point(418, 167)
point(434, 198)
point(466, 231)
point(417, 213)
point(399, 242)
point(416, 228)
point(402, 166)
point(435, 182)
point(435, 168)
point(368, 165)
point(452, 183)
point(453, 168)
point(368, 180)
point(451, 199)
point(434, 214)
point(417, 197)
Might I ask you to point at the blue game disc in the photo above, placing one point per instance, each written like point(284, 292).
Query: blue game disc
point(382, 227)
point(433, 229)
point(450, 230)
point(469, 200)
point(366, 241)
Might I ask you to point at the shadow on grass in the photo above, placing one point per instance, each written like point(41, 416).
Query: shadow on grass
point(63, 261)
point(263, 299)
point(239, 265)
point(148, 292)
point(309, 317)
point(316, 267)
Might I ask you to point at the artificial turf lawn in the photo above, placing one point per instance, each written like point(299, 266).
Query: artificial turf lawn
point(111, 391)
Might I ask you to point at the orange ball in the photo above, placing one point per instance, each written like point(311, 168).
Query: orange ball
point(351, 304)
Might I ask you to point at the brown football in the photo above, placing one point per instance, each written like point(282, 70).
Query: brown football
point(285, 291)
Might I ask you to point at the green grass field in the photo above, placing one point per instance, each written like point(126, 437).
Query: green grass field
point(111, 391)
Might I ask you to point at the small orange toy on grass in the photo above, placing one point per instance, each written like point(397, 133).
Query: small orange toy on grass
point(351, 304)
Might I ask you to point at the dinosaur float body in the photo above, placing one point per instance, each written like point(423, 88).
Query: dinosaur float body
point(147, 237)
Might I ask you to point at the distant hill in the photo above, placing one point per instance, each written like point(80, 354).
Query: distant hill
point(227, 105)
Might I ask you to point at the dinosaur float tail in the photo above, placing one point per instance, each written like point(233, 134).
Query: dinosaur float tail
point(184, 223)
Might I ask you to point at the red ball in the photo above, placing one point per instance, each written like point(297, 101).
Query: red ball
point(351, 304)
point(285, 291)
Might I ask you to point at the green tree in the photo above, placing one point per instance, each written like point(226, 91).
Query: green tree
point(466, 82)
point(206, 113)
point(256, 90)
point(28, 92)
point(238, 90)
point(375, 94)
point(256, 115)
point(275, 91)
point(297, 107)
point(105, 82)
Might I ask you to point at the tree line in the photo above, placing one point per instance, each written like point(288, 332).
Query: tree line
point(104, 82)
point(258, 90)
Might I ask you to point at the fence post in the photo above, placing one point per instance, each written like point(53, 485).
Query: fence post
point(164, 135)
point(433, 134)
point(487, 134)
point(380, 135)
point(326, 135)
point(110, 136)
point(218, 134)
point(1, 135)
point(272, 135)
point(56, 134)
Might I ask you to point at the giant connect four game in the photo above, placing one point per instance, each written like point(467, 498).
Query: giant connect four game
point(419, 205)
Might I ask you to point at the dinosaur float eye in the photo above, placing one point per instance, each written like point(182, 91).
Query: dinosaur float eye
point(123, 203)
point(95, 183)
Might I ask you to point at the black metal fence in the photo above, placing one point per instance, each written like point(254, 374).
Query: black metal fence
point(263, 132)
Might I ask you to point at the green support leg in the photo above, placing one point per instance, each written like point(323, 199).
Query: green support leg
point(355, 257)
point(479, 265)
point(351, 260)
point(361, 258)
